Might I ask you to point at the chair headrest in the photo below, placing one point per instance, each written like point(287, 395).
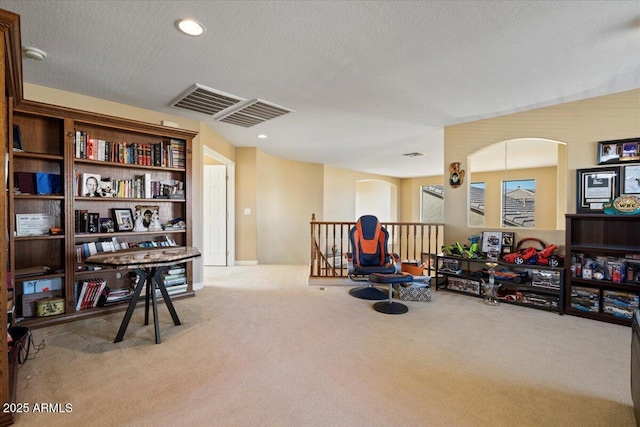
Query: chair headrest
point(369, 226)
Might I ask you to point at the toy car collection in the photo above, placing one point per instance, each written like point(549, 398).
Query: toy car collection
point(531, 255)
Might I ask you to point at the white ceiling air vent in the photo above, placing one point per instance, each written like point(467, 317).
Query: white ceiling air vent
point(205, 100)
point(252, 113)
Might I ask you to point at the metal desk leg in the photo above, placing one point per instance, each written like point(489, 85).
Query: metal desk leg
point(147, 295)
point(142, 279)
point(156, 321)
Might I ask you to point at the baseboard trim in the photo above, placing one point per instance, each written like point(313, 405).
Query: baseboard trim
point(250, 262)
point(198, 286)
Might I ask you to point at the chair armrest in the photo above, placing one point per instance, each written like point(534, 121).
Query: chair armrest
point(396, 262)
point(349, 257)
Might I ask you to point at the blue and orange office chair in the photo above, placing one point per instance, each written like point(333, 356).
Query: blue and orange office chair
point(369, 254)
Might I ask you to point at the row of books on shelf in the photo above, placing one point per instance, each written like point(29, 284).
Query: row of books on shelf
point(95, 292)
point(163, 154)
point(86, 249)
point(139, 187)
point(90, 293)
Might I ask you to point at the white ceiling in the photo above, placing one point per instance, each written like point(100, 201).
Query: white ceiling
point(368, 81)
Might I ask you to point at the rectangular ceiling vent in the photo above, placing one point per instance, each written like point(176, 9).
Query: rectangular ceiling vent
point(252, 113)
point(205, 100)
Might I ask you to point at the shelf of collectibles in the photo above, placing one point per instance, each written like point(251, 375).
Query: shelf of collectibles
point(603, 274)
point(467, 270)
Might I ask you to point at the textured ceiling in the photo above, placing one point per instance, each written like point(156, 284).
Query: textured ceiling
point(368, 81)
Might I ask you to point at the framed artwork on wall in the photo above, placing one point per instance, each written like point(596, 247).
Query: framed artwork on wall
point(618, 151)
point(595, 187)
point(630, 179)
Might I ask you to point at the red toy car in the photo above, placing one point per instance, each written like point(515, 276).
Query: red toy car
point(529, 255)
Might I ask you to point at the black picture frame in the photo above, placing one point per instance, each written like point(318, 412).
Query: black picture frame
point(630, 179)
point(619, 151)
point(107, 225)
point(122, 219)
point(17, 138)
point(595, 186)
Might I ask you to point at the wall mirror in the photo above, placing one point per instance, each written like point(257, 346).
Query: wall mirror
point(518, 183)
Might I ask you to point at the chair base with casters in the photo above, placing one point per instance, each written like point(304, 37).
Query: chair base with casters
point(369, 292)
point(389, 306)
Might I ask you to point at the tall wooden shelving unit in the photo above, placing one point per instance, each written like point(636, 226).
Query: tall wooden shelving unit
point(608, 236)
point(11, 79)
point(48, 137)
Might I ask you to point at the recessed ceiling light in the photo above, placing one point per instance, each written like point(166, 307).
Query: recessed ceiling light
point(262, 136)
point(190, 27)
point(34, 53)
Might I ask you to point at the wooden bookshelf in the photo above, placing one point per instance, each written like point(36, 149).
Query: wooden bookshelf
point(50, 141)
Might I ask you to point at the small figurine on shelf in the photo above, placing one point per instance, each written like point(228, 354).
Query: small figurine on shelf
point(139, 224)
point(154, 224)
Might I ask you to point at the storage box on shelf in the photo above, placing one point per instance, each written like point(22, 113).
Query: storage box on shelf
point(136, 165)
point(603, 274)
point(527, 285)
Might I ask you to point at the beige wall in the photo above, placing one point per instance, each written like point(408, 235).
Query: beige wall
point(288, 192)
point(411, 197)
point(246, 198)
point(339, 194)
point(580, 124)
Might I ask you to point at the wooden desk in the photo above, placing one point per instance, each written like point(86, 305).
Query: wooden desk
point(148, 264)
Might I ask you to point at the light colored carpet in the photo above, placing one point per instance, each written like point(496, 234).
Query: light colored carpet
point(259, 347)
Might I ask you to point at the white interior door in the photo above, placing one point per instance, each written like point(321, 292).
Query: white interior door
point(215, 215)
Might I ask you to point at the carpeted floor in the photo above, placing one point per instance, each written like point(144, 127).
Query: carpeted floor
point(259, 347)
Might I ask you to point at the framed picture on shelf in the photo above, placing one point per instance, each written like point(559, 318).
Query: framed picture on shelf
point(149, 215)
point(595, 187)
point(630, 179)
point(492, 244)
point(106, 225)
point(507, 242)
point(618, 151)
point(90, 185)
point(122, 219)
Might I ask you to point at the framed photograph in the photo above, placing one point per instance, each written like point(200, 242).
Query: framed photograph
point(17, 138)
point(106, 225)
point(630, 179)
point(618, 151)
point(608, 153)
point(122, 219)
point(629, 152)
point(492, 244)
point(148, 214)
point(507, 242)
point(595, 187)
point(90, 185)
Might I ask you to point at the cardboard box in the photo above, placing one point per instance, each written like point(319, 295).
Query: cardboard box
point(29, 301)
point(463, 285)
point(42, 285)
